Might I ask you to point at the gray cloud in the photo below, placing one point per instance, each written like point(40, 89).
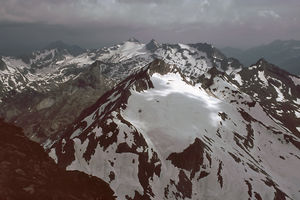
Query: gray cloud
point(97, 22)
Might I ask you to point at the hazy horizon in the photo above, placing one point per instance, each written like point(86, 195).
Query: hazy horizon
point(32, 24)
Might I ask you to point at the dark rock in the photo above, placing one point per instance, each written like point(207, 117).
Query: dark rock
point(191, 158)
point(26, 172)
point(152, 45)
point(2, 65)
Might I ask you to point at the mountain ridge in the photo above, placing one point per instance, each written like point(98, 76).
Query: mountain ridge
point(52, 70)
point(136, 121)
point(185, 120)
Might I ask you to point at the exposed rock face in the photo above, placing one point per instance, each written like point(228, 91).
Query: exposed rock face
point(152, 45)
point(2, 65)
point(26, 172)
point(191, 159)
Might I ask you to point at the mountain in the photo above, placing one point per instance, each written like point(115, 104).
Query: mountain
point(192, 124)
point(171, 132)
point(277, 91)
point(60, 45)
point(283, 53)
point(39, 92)
point(233, 52)
point(26, 172)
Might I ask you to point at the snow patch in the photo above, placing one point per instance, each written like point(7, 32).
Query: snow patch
point(297, 114)
point(238, 78)
point(261, 76)
point(296, 80)
point(280, 96)
point(252, 67)
point(297, 101)
point(52, 154)
point(164, 125)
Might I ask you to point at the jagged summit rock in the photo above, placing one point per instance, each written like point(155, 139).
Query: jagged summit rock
point(74, 50)
point(133, 39)
point(2, 65)
point(152, 45)
point(269, 69)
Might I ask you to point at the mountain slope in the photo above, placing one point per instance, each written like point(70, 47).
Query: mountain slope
point(39, 92)
point(26, 172)
point(276, 90)
point(182, 139)
point(44, 113)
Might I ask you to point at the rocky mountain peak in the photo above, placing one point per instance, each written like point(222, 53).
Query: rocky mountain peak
point(271, 69)
point(159, 66)
point(2, 65)
point(152, 45)
point(60, 46)
point(262, 62)
point(207, 48)
point(133, 39)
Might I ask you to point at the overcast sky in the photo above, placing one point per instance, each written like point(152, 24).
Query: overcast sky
point(29, 24)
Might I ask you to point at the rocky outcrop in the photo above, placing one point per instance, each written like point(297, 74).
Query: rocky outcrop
point(2, 65)
point(26, 172)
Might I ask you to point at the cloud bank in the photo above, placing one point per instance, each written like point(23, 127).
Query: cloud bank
point(90, 23)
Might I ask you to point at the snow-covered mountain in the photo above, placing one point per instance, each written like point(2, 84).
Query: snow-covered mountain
point(56, 64)
point(190, 127)
point(192, 124)
point(39, 92)
point(276, 90)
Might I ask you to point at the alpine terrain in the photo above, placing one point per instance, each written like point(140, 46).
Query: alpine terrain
point(160, 121)
point(164, 134)
point(40, 91)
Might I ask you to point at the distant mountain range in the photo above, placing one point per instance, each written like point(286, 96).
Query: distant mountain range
point(283, 53)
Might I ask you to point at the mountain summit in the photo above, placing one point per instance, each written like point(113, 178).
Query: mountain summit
point(60, 45)
point(133, 39)
point(152, 45)
point(181, 141)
